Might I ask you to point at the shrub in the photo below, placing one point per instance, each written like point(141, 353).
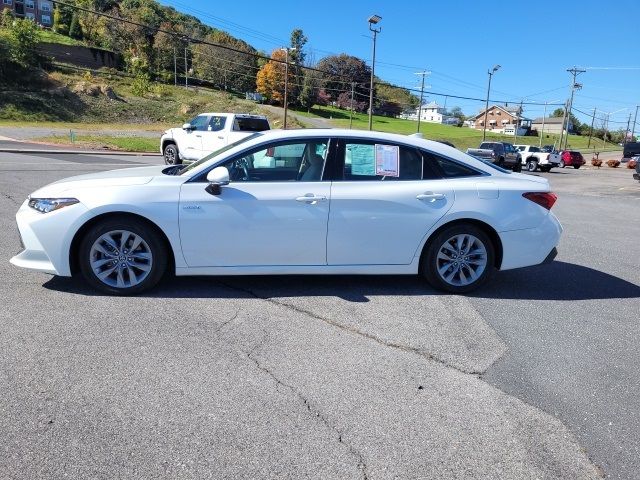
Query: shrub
point(632, 164)
point(613, 163)
point(141, 85)
point(596, 162)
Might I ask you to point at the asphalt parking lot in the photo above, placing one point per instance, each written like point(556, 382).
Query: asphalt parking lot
point(535, 376)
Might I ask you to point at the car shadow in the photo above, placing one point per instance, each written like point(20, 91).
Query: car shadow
point(555, 281)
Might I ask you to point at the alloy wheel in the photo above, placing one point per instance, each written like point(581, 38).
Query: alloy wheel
point(461, 260)
point(120, 259)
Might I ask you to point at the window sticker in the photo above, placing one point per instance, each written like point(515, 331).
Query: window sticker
point(362, 159)
point(387, 160)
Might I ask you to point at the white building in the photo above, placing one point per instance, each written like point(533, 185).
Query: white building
point(431, 112)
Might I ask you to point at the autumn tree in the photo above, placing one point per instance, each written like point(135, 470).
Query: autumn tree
point(270, 78)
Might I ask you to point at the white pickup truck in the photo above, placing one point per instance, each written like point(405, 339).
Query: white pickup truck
point(207, 133)
point(534, 158)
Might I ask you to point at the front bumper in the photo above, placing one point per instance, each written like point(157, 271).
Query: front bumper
point(531, 246)
point(46, 238)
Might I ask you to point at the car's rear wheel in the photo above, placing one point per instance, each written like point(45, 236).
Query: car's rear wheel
point(459, 259)
point(122, 257)
point(576, 166)
point(171, 155)
point(532, 165)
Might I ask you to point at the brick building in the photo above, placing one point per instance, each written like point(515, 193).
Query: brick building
point(40, 11)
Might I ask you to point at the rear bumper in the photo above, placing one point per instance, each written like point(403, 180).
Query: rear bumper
point(636, 176)
point(531, 246)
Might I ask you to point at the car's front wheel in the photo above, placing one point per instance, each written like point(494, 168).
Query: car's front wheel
point(576, 166)
point(459, 259)
point(171, 155)
point(122, 257)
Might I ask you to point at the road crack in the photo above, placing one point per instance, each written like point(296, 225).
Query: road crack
point(312, 410)
point(355, 331)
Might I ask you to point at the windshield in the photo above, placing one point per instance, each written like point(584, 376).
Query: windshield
point(204, 159)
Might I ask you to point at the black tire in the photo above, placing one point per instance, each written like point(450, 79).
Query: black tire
point(171, 154)
point(545, 169)
point(500, 162)
point(576, 167)
point(561, 164)
point(431, 263)
point(532, 165)
point(517, 167)
point(151, 269)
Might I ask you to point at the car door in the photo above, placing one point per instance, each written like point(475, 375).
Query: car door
point(190, 144)
point(274, 211)
point(388, 199)
point(214, 136)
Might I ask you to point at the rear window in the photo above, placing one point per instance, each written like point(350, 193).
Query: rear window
point(249, 124)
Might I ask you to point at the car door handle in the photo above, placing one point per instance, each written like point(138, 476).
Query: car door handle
point(311, 199)
point(220, 137)
point(199, 136)
point(432, 197)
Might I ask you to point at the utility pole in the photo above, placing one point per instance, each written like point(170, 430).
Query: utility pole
point(424, 74)
point(593, 119)
point(604, 135)
point(633, 130)
point(186, 69)
point(353, 87)
point(575, 72)
point(486, 106)
point(286, 83)
point(175, 68)
point(626, 133)
point(515, 131)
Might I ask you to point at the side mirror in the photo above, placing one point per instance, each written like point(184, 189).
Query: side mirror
point(217, 177)
point(187, 126)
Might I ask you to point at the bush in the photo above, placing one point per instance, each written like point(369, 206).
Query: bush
point(141, 85)
point(596, 162)
point(613, 163)
point(632, 164)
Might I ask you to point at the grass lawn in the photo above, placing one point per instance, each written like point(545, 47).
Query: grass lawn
point(126, 144)
point(49, 36)
point(80, 126)
point(461, 137)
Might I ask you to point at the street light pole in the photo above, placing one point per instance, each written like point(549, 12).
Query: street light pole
point(486, 106)
point(373, 20)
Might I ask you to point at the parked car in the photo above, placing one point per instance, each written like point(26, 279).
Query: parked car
point(548, 149)
point(330, 202)
point(502, 154)
point(207, 133)
point(571, 158)
point(533, 158)
point(631, 149)
point(637, 174)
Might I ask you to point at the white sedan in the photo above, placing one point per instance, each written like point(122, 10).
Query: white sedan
point(294, 202)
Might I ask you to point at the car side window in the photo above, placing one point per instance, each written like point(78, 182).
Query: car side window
point(291, 161)
point(216, 123)
point(447, 168)
point(367, 160)
point(199, 123)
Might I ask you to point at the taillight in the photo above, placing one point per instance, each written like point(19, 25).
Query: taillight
point(544, 199)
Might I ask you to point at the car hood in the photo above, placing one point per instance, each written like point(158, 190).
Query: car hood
point(112, 178)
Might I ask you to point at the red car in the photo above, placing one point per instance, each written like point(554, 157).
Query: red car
point(571, 158)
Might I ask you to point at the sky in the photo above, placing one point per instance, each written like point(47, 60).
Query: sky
point(458, 41)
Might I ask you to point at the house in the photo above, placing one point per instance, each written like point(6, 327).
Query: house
point(501, 119)
point(551, 125)
point(40, 11)
point(431, 113)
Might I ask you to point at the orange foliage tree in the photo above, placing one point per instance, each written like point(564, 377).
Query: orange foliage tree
point(270, 78)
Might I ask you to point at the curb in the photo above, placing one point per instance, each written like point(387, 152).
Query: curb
point(80, 152)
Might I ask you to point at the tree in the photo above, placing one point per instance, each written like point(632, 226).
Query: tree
point(75, 30)
point(23, 37)
point(310, 86)
point(344, 101)
point(341, 70)
point(229, 69)
point(385, 92)
point(457, 113)
point(270, 78)
point(297, 57)
point(62, 16)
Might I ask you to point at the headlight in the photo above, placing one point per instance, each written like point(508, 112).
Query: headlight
point(46, 205)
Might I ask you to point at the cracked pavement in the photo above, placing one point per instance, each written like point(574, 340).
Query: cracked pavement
point(262, 377)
